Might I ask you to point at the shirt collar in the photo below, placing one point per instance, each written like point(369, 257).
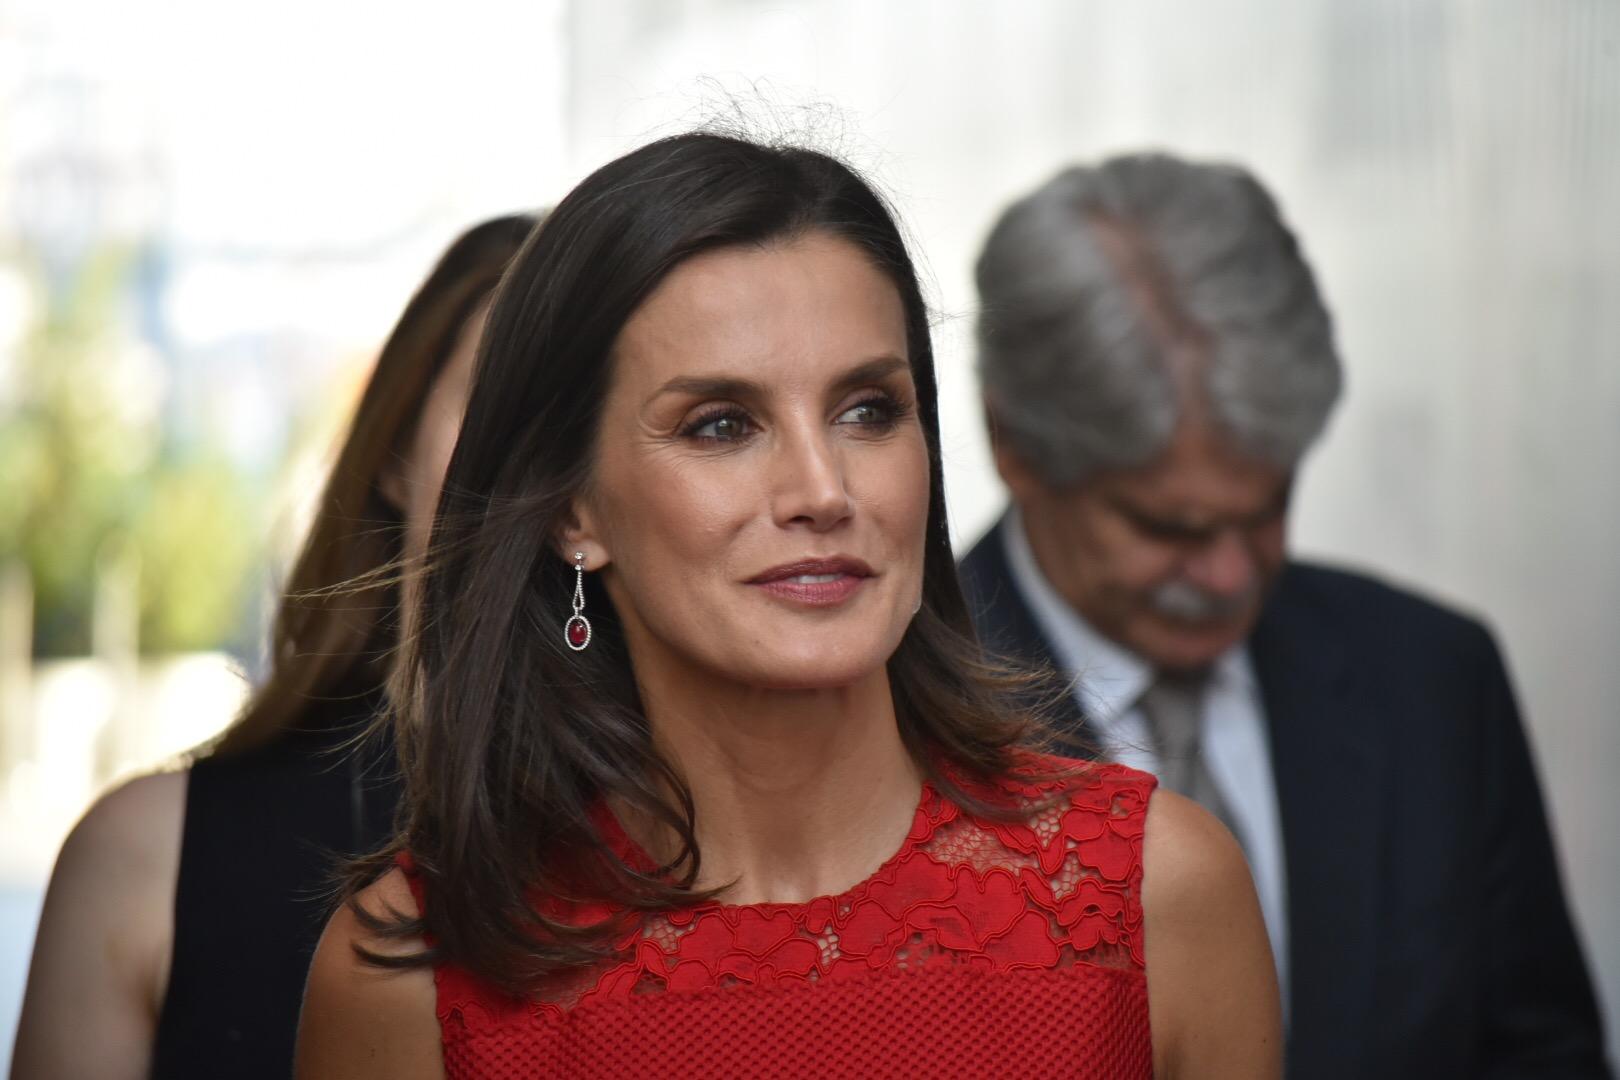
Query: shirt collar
point(1108, 677)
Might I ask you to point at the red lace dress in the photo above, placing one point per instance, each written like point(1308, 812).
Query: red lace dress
point(978, 949)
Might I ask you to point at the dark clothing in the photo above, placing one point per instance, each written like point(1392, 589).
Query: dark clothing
point(263, 830)
point(1428, 931)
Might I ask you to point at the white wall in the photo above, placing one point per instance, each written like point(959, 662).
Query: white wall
point(1451, 167)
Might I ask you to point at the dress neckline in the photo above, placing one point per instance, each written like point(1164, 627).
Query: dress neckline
point(932, 810)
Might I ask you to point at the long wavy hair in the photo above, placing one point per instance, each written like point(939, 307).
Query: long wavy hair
point(336, 627)
point(509, 741)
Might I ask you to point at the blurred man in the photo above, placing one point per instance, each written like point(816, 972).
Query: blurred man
point(1156, 361)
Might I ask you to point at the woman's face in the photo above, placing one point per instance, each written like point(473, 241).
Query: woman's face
point(412, 485)
point(759, 499)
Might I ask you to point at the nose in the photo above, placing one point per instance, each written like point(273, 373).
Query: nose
point(1225, 566)
point(809, 486)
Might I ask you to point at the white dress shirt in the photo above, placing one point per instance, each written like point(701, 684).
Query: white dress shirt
point(1109, 680)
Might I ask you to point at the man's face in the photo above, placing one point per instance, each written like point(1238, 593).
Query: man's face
point(1172, 559)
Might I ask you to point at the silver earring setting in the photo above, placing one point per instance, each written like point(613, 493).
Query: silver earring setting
point(577, 630)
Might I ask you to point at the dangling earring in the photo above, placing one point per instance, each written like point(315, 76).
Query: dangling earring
point(577, 630)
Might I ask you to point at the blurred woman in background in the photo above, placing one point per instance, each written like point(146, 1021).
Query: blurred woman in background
point(184, 907)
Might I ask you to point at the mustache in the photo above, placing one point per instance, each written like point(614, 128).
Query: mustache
point(1188, 603)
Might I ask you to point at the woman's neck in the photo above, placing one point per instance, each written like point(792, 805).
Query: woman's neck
point(798, 793)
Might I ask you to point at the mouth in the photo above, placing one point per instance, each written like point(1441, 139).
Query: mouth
point(815, 582)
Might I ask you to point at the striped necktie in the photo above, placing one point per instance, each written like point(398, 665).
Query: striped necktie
point(1173, 707)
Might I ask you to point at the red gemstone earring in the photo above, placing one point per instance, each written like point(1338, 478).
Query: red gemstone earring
point(577, 630)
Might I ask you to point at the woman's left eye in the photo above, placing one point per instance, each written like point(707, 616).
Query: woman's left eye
point(870, 411)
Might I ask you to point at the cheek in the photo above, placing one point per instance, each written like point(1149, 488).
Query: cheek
point(1271, 547)
point(667, 529)
point(1145, 568)
point(424, 480)
point(436, 462)
point(430, 454)
point(1127, 561)
point(895, 489)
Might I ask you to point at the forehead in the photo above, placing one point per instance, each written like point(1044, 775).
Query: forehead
point(1200, 473)
point(788, 309)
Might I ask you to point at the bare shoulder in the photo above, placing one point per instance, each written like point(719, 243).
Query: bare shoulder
point(102, 951)
point(361, 1018)
point(389, 897)
point(1212, 986)
point(137, 823)
point(116, 875)
point(1190, 862)
point(341, 964)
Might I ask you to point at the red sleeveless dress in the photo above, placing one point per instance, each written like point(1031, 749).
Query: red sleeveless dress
point(980, 948)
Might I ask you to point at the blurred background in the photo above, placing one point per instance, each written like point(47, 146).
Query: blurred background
point(210, 215)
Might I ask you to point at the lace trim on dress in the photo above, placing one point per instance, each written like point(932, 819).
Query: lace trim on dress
point(1056, 890)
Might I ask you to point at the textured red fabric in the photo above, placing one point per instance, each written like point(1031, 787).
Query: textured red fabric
point(979, 948)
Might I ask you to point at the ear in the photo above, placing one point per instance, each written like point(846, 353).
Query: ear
point(1020, 479)
point(579, 532)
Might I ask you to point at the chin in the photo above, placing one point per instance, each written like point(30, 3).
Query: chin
point(811, 665)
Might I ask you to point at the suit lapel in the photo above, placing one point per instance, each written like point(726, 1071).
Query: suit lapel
point(1326, 758)
point(1008, 630)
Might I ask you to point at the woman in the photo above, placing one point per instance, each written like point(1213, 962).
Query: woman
point(184, 907)
point(704, 773)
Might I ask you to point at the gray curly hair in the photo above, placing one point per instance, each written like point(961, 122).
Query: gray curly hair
point(1116, 299)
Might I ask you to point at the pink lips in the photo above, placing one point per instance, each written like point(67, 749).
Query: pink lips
point(815, 582)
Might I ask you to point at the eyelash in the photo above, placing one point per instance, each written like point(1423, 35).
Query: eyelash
point(895, 410)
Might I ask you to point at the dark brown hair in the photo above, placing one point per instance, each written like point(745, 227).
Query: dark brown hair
point(510, 741)
point(336, 626)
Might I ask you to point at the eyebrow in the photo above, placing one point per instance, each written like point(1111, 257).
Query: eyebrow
point(711, 386)
point(1153, 520)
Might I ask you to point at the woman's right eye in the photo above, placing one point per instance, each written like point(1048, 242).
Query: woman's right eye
point(724, 427)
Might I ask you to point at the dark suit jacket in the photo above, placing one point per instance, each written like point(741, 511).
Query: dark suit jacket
point(1428, 932)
